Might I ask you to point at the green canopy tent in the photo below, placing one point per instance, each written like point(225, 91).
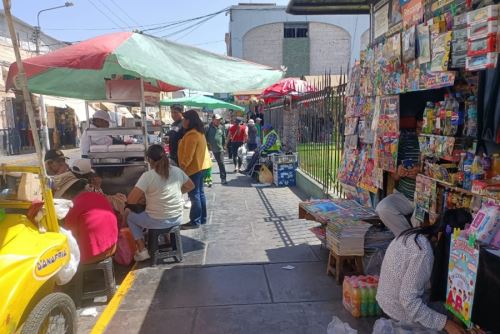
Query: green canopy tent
point(201, 101)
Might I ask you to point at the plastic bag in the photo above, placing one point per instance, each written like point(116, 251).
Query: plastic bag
point(337, 326)
point(62, 207)
point(265, 175)
point(388, 326)
point(125, 248)
point(485, 223)
point(69, 270)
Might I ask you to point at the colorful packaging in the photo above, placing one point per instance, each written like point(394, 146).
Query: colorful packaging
point(495, 242)
point(481, 62)
point(479, 46)
point(358, 296)
point(486, 223)
point(488, 13)
point(482, 29)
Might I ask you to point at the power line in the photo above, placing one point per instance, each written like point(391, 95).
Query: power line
point(105, 15)
point(112, 12)
point(195, 27)
point(188, 20)
point(124, 12)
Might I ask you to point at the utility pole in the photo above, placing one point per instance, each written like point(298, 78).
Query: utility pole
point(43, 111)
point(23, 82)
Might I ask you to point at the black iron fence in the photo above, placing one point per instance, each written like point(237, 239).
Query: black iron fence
point(319, 130)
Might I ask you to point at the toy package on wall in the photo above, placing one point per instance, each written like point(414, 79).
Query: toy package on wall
point(409, 49)
point(462, 274)
point(349, 170)
point(424, 44)
point(371, 177)
point(440, 52)
point(351, 125)
point(387, 153)
point(436, 146)
point(388, 118)
point(423, 196)
point(392, 67)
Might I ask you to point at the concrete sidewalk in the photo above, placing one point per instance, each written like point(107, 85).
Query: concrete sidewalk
point(232, 279)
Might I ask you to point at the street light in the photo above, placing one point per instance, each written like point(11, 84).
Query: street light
point(43, 111)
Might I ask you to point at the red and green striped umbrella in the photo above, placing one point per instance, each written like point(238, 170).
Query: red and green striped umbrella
point(80, 70)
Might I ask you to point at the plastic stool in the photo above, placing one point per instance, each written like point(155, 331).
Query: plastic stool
point(159, 252)
point(106, 267)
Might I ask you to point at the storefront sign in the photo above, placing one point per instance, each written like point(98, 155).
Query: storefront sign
point(381, 20)
point(412, 12)
point(462, 274)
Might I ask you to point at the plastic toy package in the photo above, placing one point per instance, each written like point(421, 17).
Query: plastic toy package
point(487, 60)
point(488, 13)
point(482, 29)
point(479, 46)
point(424, 44)
point(441, 52)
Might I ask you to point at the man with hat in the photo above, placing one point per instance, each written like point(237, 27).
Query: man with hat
point(176, 132)
point(216, 139)
point(100, 120)
point(55, 162)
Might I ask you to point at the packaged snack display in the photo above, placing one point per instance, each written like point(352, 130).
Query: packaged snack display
point(358, 296)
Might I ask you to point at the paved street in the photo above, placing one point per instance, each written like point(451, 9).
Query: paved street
point(232, 279)
point(30, 159)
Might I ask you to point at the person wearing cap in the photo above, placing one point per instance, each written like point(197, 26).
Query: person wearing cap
point(100, 120)
point(176, 132)
point(237, 136)
point(270, 144)
point(216, 139)
point(253, 134)
point(55, 162)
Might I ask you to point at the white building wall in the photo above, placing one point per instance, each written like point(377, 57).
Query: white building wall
point(264, 45)
point(243, 18)
point(330, 48)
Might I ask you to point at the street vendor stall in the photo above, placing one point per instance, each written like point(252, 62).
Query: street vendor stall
point(435, 60)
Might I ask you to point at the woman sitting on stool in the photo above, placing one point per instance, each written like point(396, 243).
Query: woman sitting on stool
point(162, 187)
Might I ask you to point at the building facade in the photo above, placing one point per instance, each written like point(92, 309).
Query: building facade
point(305, 45)
point(14, 134)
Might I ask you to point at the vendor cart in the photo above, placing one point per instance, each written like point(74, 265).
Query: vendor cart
point(32, 252)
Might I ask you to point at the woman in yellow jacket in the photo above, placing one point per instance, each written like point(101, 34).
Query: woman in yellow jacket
point(194, 159)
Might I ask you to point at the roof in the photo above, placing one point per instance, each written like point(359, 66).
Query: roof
point(322, 7)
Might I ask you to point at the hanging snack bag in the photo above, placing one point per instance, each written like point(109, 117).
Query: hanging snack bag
point(486, 223)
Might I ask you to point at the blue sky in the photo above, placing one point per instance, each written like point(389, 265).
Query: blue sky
point(84, 20)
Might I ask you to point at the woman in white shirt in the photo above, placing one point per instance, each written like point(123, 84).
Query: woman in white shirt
point(405, 275)
point(162, 187)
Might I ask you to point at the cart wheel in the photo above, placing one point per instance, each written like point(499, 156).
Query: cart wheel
point(55, 313)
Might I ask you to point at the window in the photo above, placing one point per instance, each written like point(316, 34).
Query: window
point(296, 30)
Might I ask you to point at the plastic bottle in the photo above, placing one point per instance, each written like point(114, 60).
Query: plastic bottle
point(460, 173)
point(495, 165)
point(448, 109)
point(467, 183)
point(455, 115)
point(428, 118)
point(477, 171)
point(471, 117)
point(364, 299)
point(356, 299)
point(372, 303)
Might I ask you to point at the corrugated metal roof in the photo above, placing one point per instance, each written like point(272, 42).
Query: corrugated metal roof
point(322, 7)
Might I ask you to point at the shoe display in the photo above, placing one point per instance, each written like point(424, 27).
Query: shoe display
point(143, 255)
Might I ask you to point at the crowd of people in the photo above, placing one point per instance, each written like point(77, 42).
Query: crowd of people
point(156, 201)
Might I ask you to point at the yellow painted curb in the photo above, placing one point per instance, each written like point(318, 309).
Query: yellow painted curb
point(114, 304)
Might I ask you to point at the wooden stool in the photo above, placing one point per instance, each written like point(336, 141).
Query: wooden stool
point(336, 265)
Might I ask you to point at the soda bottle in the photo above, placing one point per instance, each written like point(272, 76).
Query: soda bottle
point(495, 165)
point(372, 303)
point(467, 183)
point(455, 117)
point(448, 110)
point(356, 299)
point(364, 299)
point(428, 118)
point(471, 117)
point(477, 171)
point(460, 173)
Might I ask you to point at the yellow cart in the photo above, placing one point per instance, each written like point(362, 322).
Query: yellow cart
point(32, 251)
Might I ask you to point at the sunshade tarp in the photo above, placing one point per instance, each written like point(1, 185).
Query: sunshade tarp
point(201, 101)
point(80, 70)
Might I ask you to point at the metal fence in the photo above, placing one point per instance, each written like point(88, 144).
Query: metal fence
point(273, 114)
point(321, 134)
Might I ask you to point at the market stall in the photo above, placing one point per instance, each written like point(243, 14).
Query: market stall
point(436, 60)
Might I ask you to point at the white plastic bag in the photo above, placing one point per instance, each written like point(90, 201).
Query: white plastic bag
point(337, 326)
point(62, 207)
point(389, 326)
point(69, 270)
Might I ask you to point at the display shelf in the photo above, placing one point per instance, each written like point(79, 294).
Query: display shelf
point(457, 189)
point(115, 131)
